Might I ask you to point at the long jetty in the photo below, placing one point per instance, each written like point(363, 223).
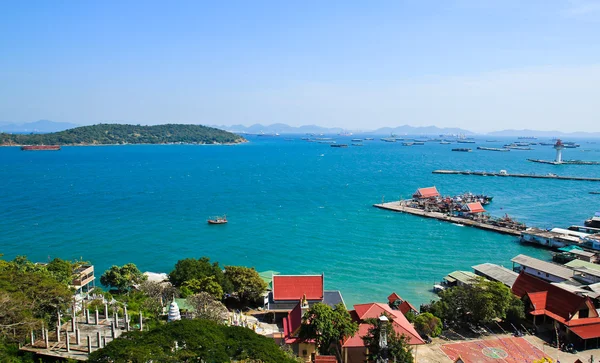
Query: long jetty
point(507, 175)
point(398, 206)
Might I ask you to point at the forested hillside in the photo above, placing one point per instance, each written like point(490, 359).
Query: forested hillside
point(110, 134)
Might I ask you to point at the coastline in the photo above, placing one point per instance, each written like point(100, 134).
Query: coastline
point(129, 144)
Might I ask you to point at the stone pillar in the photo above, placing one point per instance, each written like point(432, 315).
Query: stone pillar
point(103, 342)
point(67, 342)
point(58, 333)
point(116, 319)
point(96, 322)
point(112, 330)
point(98, 338)
point(125, 313)
point(46, 343)
point(87, 316)
point(106, 311)
point(32, 337)
point(73, 323)
point(77, 336)
point(141, 322)
point(127, 325)
point(89, 345)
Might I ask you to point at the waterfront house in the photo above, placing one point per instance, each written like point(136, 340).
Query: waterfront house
point(460, 278)
point(354, 349)
point(547, 271)
point(287, 290)
point(573, 316)
point(426, 193)
point(398, 303)
point(554, 238)
point(494, 272)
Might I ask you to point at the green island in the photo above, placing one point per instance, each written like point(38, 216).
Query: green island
point(115, 134)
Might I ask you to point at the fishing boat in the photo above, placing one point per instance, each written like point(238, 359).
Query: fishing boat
point(218, 220)
point(593, 222)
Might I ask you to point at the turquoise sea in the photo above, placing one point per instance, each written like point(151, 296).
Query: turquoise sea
point(293, 206)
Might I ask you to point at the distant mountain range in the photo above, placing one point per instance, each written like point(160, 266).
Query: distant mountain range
point(46, 126)
point(313, 129)
point(41, 126)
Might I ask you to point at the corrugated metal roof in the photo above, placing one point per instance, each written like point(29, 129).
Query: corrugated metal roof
point(466, 277)
point(579, 263)
point(496, 272)
point(543, 266)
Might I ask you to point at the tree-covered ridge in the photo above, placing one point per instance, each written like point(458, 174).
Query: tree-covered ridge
point(111, 134)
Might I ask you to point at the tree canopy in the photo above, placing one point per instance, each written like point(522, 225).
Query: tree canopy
point(191, 341)
point(477, 303)
point(247, 284)
point(122, 278)
point(110, 134)
point(428, 324)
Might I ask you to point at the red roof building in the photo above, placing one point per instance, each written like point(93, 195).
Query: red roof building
point(354, 348)
point(295, 287)
point(325, 359)
point(475, 208)
point(423, 193)
point(398, 303)
point(576, 314)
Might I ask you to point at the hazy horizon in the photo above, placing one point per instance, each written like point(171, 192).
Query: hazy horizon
point(477, 65)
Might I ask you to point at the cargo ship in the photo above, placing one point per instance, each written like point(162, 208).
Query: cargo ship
point(41, 147)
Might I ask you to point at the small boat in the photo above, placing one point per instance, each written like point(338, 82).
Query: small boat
point(438, 288)
point(357, 140)
point(445, 143)
point(338, 145)
point(357, 144)
point(218, 220)
point(419, 143)
point(597, 193)
point(369, 138)
point(463, 149)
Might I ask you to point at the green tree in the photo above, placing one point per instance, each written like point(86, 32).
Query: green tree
point(247, 284)
point(398, 349)
point(122, 278)
point(477, 303)
point(63, 271)
point(327, 327)
point(189, 268)
point(427, 323)
point(207, 284)
point(191, 340)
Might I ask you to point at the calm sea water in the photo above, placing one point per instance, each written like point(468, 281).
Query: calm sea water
point(293, 206)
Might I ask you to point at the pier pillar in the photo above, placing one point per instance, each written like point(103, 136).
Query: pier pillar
point(67, 342)
point(96, 322)
point(46, 343)
point(89, 344)
point(98, 338)
point(77, 336)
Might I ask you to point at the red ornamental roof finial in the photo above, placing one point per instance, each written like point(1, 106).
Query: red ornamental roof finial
point(558, 142)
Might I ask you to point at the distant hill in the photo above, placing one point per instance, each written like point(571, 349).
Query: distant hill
point(537, 133)
point(420, 130)
point(286, 129)
point(113, 134)
point(41, 126)
point(281, 129)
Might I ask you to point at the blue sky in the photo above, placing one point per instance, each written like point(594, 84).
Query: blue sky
point(481, 65)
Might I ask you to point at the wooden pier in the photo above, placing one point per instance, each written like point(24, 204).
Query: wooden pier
point(507, 175)
point(398, 206)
